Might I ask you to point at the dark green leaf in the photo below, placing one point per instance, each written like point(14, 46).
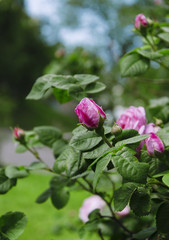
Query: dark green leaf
point(145, 233)
point(48, 135)
point(165, 179)
point(12, 224)
point(140, 202)
point(97, 152)
point(44, 196)
point(62, 82)
point(76, 92)
point(85, 141)
point(162, 219)
point(100, 167)
point(125, 134)
point(123, 195)
point(59, 197)
point(5, 183)
point(133, 65)
point(129, 167)
point(58, 147)
point(58, 182)
point(16, 172)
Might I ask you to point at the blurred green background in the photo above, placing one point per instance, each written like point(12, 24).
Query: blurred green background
point(66, 37)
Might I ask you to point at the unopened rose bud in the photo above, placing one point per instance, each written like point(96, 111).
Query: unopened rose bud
point(18, 133)
point(124, 212)
point(158, 122)
point(90, 114)
point(154, 145)
point(116, 129)
point(140, 21)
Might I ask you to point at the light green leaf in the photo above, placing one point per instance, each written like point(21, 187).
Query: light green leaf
point(58, 147)
point(149, 54)
point(48, 135)
point(76, 92)
point(95, 87)
point(164, 135)
point(100, 167)
point(59, 197)
point(85, 141)
point(165, 179)
point(129, 167)
point(85, 79)
point(123, 195)
point(132, 140)
point(36, 166)
point(12, 224)
point(61, 95)
point(62, 82)
point(140, 202)
point(16, 172)
point(164, 36)
point(133, 65)
point(164, 51)
point(162, 219)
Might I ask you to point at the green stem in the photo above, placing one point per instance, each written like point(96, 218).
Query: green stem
point(106, 141)
point(100, 234)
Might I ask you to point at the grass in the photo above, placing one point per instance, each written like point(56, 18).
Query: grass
point(44, 221)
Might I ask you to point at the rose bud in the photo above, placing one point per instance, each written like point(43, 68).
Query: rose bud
point(90, 114)
point(89, 205)
point(140, 21)
point(124, 212)
point(116, 129)
point(133, 118)
point(18, 133)
point(154, 145)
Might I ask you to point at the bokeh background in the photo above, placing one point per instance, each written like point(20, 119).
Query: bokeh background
point(65, 37)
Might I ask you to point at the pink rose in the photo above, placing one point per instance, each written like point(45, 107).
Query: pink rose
point(151, 128)
point(133, 118)
point(89, 205)
point(154, 144)
point(140, 20)
point(18, 133)
point(124, 212)
point(89, 113)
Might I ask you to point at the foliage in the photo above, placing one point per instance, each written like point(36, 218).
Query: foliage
point(86, 161)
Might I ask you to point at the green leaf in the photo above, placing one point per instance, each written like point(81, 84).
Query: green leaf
point(16, 172)
point(5, 183)
point(85, 141)
point(145, 233)
point(40, 87)
point(12, 224)
point(44, 196)
point(59, 197)
point(48, 135)
point(129, 167)
point(62, 82)
point(132, 140)
point(161, 174)
point(59, 182)
point(164, 135)
point(76, 92)
point(96, 152)
point(133, 65)
point(140, 202)
point(164, 36)
point(20, 148)
point(61, 95)
point(164, 51)
point(125, 134)
point(100, 167)
point(85, 79)
point(123, 195)
point(150, 55)
point(162, 219)
point(79, 130)
point(165, 179)
point(58, 147)
point(95, 88)
point(36, 166)
point(67, 161)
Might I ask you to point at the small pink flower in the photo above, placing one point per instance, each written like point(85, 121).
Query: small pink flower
point(140, 20)
point(89, 205)
point(154, 144)
point(133, 118)
point(124, 212)
point(18, 133)
point(89, 113)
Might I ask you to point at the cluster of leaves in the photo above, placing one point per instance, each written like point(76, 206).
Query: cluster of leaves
point(156, 39)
